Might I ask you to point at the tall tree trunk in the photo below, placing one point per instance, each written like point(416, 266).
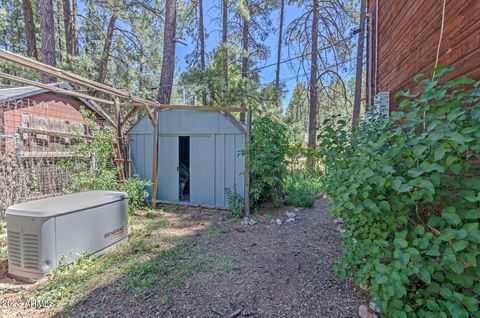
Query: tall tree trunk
point(312, 122)
point(47, 32)
point(102, 70)
point(168, 60)
point(245, 35)
point(67, 21)
point(358, 76)
point(74, 27)
point(58, 31)
point(225, 48)
point(29, 29)
point(202, 47)
point(279, 48)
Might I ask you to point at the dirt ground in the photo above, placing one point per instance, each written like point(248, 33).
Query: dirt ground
point(262, 270)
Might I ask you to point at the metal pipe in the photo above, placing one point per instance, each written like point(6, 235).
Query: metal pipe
point(370, 59)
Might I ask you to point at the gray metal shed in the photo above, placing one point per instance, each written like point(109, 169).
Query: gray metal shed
point(198, 156)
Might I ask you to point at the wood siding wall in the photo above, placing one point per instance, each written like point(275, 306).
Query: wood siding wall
point(408, 36)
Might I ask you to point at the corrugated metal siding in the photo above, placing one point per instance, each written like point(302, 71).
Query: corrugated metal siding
point(408, 36)
point(202, 169)
point(215, 163)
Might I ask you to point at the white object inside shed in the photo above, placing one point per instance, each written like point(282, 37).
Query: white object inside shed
point(199, 156)
point(45, 233)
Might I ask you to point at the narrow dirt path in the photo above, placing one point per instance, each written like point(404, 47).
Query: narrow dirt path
point(270, 270)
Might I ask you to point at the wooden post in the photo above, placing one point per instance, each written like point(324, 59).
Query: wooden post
point(119, 139)
point(247, 163)
point(155, 161)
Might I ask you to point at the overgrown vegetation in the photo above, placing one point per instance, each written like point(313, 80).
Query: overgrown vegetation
point(409, 193)
point(236, 204)
point(301, 189)
point(104, 175)
point(268, 151)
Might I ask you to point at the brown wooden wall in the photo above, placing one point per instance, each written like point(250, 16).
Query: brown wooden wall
point(408, 36)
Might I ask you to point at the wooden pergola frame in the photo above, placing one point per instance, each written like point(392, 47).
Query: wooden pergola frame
point(130, 101)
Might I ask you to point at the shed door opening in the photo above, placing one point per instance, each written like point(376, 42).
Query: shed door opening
point(184, 168)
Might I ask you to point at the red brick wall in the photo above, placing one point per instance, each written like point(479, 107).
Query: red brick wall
point(49, 105)
point(408, 36)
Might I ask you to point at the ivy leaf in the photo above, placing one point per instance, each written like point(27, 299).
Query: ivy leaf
point(384, 206)
point(451, 218)
point(414, 172)
point(474, 236)
point(418, 150)
point(433, 251)
point(457, 267)
point(439, 153)
point(473, 214)
point(459, 245)
point(450, 160)
point(400, 243)
point(447, 235)
point(471, 259)
point(427, 185)
point(405, 188)
point(424, 276)
point(456, 168)
point(429, 167)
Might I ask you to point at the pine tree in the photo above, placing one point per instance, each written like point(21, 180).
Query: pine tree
point(47, 31)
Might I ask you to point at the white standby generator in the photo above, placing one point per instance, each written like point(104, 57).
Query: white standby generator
point(45, 233)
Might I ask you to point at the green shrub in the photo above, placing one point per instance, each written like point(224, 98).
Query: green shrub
point(301, 190)
point(135, 188)
point(105, 174)
point(268, 152)
point(409, 193)
point(236, 204)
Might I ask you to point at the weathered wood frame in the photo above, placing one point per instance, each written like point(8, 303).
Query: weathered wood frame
point(117, 122)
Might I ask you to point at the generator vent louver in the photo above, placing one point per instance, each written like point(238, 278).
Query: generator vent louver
point(30, 251)
point(14, 248)
point(24, 250)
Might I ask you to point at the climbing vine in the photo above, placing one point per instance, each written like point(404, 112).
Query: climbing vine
point(409, 192)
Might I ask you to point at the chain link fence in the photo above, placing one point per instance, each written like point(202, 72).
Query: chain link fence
point(36, 158)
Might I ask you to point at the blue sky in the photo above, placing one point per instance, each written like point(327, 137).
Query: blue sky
point(211, 14)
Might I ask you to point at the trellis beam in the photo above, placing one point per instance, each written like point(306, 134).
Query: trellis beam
point(53, 88)
point(188, 107)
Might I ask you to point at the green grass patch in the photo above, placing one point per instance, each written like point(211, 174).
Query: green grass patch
point(217, 233)
point(72, 282)
point(137, 268)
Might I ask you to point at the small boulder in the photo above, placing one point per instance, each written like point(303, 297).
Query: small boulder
point(278, 221)
point(252, 222)
point(365, 312)
point(290, 220)
point(290, 215)
point(338, 221)
point(374, 307)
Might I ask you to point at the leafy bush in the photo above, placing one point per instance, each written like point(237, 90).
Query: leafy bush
point(268, 150)
point(236, 204)
point(301, 189)
point(135, 188)
point(409, 192)
point(105, 174)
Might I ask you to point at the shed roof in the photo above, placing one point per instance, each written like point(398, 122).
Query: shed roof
point(242, 127)
point(7, 94)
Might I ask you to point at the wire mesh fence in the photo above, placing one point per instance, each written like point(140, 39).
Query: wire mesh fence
point(36, 158)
